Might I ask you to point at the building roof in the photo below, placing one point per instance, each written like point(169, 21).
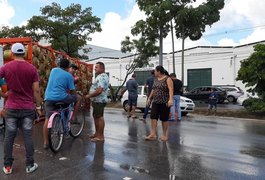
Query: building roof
point(97, 52)
point(263, 41)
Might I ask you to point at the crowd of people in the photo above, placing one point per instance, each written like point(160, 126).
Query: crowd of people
point(22, 101)
point(163, 97)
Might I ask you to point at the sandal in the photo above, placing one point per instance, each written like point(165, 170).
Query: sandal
point(92, 136)
point(163, 138)
point(96, 139)
point(150, 138)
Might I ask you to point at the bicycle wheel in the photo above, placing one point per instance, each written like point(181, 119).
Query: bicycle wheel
point(77, 125)
point(56, 134)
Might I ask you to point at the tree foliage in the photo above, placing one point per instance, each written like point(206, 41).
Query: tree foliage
point(143, 49)
point(256, 105)
point(18, 31)
point(252, 71)
point(66, 29)
point(189, 21)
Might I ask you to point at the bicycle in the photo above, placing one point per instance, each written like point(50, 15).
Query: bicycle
point(61, 123)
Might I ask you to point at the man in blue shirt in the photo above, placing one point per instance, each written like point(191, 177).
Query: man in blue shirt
point(60, 82)
point(132, 87)
point(213, 99)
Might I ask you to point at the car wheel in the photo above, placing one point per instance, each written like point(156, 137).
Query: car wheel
point(125, 105)
point(184, 113)
point(231, 98)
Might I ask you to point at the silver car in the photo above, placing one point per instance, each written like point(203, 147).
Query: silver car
point(233, 92)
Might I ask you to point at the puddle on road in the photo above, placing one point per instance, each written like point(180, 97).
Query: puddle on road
point(253, 151)
point(205, 122)
point(134, 168)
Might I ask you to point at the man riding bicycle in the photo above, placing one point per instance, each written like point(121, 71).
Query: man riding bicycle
point(60, 83)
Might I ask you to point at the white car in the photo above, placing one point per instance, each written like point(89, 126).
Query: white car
point(233, 92)
point(186, 104)
point(241, 100)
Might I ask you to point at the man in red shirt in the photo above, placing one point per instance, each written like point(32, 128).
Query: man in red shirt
point(23, 88)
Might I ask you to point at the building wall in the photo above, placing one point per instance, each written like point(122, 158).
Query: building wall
point(224, 62)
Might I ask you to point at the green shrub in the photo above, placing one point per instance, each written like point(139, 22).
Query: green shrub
point(254, 105)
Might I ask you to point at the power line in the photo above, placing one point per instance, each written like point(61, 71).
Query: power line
point(234, 31)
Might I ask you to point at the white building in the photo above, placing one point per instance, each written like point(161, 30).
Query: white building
point(203, 65)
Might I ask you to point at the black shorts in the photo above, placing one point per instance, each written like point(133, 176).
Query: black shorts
point(160, 111)
point(98, 109)
point(50, 105)
point(132, 100)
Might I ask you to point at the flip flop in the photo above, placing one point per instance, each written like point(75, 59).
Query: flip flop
point(96, 139)
point(163, 139)
point(150, 138)
point(92, 136)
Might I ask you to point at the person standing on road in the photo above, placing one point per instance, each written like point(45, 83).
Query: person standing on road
point(162, 99)
point(132, 87)
point(178, 91)
point(23, 84)
point(213, 99)
point(99, 97)
point(148, 85)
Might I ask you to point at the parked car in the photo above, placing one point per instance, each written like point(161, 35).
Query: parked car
point(202, 93)
point(241, 100)
point(233, 92)
point(186, 104)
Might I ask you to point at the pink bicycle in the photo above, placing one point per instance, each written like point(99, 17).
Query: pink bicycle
point(61, 123)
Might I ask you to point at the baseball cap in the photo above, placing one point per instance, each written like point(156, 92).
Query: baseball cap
point(18, 48)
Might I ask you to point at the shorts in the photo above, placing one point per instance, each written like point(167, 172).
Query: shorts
point(98, 109)
point(132, 100)
point(160, 111)
point(50, 105)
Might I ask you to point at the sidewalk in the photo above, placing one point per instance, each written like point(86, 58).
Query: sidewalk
point(242, 113)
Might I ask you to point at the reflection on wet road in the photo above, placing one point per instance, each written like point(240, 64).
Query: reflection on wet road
point(198, 148)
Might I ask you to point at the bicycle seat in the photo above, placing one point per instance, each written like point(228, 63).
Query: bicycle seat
point(61, 105)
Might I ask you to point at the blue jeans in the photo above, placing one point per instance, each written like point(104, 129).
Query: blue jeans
point(176, 104)
point(146, 110)
point(14, 119)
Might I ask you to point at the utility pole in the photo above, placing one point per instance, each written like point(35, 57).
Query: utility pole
point(161, 47)
point(182, 58)
point(173, 47)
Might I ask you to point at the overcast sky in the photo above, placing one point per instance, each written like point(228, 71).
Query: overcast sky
point(241, 22)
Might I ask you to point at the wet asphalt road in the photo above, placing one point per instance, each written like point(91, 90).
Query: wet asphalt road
point(223, 106)
point(198, 148)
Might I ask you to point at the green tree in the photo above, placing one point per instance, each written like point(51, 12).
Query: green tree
point(66, 29)
point(252, 74)
point(17, 31)
point(189, 21)
point(142, 49)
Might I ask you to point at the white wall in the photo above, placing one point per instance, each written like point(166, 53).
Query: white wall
point(224, 61)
